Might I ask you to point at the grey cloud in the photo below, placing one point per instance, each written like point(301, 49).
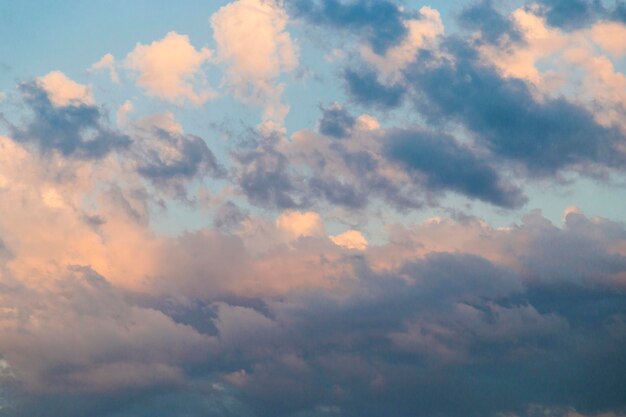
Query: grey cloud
point(336, 122)
point(228, 216)
point(493, 25)
point(365, 89)
point(545, 136)
point(379, 21)
point(447, 165)
point(74, 130)
point(264, 174)
point(193, 158)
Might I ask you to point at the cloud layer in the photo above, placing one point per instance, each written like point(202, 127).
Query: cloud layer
point(319, 208)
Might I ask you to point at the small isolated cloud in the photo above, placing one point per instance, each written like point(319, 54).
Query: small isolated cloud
point(169, 69)
point(350, 239)
point(107, 62)
point(253, 43)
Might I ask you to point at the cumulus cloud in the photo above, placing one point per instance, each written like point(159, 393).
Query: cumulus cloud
point(423, 34)
point(64, 92)
point(170, 69)
point(255, 47)
point(65, 119)
point(168, 157)
point(350, 239)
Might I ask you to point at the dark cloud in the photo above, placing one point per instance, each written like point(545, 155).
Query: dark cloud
point(545, 135)
point(264, 174)
point(75, 130)
point(619, 13)
point(336, 122)
point(165, 157)
point(577, 14)
point(572, 14)
point(492, 24)
point(447, 165)
point(379, 21)
point(365, 89)
point(228, 216)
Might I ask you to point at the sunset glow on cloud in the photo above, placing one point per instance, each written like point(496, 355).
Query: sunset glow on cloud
point(311, 208)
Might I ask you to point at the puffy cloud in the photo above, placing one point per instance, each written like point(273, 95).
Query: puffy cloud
point(440, 305)
point(380, 22)
point(546, 135)
point(608, 35)
point(297, 224)
point(64, 92)
point(350, 239)
point(168, 157)
point(423, 34)
point(169, 69)
point(592, 51)
point(336, 122)
point(64, 119)
point(445, 164)
point(253, 43)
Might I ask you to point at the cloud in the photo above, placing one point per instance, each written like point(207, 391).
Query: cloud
point(66, 120)
point(107, 62)
point(336, 122)
point(445, 164)
point(350, 239)
point(380, 22)
point(64, 92)
point(256, 49)
point(423, 34)
point(83, 310)
point(264, 175)
point(571, 14)
point(423, 314)
point(298, 224)
point(168, 157)
point(365, 89)
point(545, 135)
point(170, 69)
point(539, 60)
point(484, 17)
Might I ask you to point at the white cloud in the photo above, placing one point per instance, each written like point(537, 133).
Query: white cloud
point(122, 112)
point(107, 62)
point(169, 69)
point(351, 239)
point(297, 224)
point(62, 91)
point(252, 42)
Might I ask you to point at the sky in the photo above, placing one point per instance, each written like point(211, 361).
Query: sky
point(313, 208)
